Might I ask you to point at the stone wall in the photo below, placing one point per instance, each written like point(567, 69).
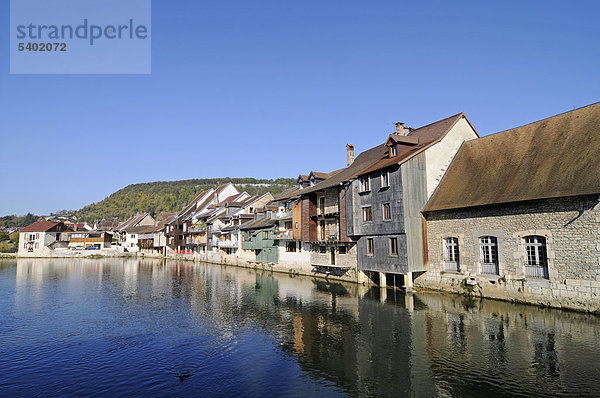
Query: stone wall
point(571, 227)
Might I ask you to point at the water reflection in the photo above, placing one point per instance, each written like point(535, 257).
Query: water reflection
point(180, 328)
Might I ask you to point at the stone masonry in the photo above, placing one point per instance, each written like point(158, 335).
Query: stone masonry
point(571, 227)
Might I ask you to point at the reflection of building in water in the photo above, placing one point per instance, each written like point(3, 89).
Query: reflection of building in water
point(364, 341)
point(493, 342)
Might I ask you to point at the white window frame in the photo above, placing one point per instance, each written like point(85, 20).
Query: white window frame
point(385, 179)
point(392, 252)
point(389, 206)
point(365, 213)
point(452, 253)
point(370, 246)
point(365, 184)
point(488, 250)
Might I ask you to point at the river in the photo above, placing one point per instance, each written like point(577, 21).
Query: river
point(126, 327)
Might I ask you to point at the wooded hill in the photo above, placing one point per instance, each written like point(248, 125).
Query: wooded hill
point(171, 196)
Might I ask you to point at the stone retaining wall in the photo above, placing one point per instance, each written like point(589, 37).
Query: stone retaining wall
point(571, 227)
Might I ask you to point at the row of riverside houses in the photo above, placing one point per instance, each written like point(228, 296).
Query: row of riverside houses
point(513, 215)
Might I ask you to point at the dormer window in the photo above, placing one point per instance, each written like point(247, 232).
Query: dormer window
point(393, 151)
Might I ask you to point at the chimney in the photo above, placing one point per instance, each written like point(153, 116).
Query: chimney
point(350, 154)
point(401, 130)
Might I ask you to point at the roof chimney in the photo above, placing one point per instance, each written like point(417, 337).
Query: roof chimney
point(401, 130)
point(350, 154)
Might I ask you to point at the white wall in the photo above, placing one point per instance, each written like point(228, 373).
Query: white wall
point(294, 258)
point(439, 156)
point(43, 239)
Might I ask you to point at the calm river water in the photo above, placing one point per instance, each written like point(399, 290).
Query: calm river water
point(117, 327)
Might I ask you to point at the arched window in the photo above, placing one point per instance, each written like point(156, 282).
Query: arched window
point(536, 257)
point(489, 254)
point(451, 254)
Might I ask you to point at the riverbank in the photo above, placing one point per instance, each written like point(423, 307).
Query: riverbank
point(571, 294)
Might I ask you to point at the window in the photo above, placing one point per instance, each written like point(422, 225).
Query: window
point(385, 179)
point(387, 213)
point(37, 245)
point(342, 250)
point(393, 151)
point(322, 249)
point(364, 184)
point(393, 246)
point(536, 257)
point(366, 213)
point(451, 254)
point(489, 254)
point(37, 236)
point(288, 225)
point(322, 227)
point(370, 246)
point(322, 205)
point(290, 247)
point(132, 236)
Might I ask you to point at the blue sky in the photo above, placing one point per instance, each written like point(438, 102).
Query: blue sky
point(273, 89)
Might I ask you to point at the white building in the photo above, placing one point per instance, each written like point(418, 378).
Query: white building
point(39, 235)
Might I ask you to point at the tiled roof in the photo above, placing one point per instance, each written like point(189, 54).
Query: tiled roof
point(40, 226)
point(258, 224)
point(422, 138)
point(288, 193)
point(554, 157)
point(363, 160)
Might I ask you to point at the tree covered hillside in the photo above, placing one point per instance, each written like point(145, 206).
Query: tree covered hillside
point(171, 196)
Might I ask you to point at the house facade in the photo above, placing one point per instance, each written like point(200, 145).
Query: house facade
point(258, 243)
point(187, 232)
point(385, 199)
point(292, 251)
point(517, 215)
point(37, 237)
point(323, 217)
point(83, 239)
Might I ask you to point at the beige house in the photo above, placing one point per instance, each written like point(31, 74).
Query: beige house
point(36, 237)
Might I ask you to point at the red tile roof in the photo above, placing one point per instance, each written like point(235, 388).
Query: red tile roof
point(41, 226)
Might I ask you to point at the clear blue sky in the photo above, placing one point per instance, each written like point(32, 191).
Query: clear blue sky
point(277, 88)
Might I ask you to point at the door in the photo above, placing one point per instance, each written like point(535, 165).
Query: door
point(333, 256)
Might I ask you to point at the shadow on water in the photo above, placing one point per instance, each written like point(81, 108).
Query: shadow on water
point(232, 331)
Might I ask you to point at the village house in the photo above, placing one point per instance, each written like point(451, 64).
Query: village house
point(258, 244)
point(152, 239)
point(292, 251)
point(186, 232)
point(238, 213)
point(128, 230)
point(517, 215)
point(84, 239)
point(217, 218)
point(36, 237)
point(384, 201)
point(323, 217)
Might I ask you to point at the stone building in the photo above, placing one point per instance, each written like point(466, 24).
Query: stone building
point(517, 215)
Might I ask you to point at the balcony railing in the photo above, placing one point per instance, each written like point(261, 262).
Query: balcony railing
point(228, 244)
point(536, 271)
point(489, 268)
point(196, 228)
point(281, 235)
point(283, 214)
